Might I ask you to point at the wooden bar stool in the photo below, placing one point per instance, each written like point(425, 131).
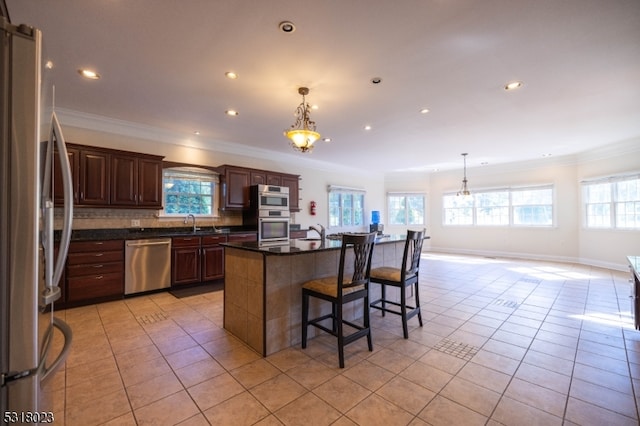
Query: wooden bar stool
point(339, 290)
point(403, 277)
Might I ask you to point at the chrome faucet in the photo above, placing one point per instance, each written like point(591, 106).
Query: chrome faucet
point(186, 220)
point(322, 232)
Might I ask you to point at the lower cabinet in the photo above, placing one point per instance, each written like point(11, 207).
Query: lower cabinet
point(185, 260)
point(213, 257)
point(197, 259)
point(95, 271)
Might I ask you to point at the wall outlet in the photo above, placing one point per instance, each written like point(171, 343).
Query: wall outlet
point(135, 223)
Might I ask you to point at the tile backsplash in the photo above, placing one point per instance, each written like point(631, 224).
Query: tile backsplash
point(92, 218)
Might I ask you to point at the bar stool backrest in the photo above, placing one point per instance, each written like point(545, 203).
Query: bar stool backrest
point(362, 245)
point(411, 256)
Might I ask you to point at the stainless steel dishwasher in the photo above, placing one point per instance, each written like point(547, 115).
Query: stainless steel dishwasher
point(147, 265)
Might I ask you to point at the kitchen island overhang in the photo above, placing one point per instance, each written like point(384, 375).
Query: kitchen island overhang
point(262, 294)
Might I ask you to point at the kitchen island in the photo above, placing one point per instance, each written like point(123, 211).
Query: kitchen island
point(262, 294)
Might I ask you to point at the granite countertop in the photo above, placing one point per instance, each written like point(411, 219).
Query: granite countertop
point(304, 245)
point(141, 233)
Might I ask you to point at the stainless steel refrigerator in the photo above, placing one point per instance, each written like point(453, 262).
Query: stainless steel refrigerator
point(28, 272)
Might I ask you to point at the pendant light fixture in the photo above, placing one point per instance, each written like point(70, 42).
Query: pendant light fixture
point(303, 132)
point(464, 190)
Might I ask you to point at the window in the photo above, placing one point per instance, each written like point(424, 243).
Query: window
point(406, 209)
point(492, 208)
point(346, 207)
point(612, 202)
point(190, 190)
point(530, 206)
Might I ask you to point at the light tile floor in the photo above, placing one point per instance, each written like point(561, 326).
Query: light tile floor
point(508, 342)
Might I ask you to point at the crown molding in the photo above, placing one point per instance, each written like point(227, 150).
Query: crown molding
point(104, 124)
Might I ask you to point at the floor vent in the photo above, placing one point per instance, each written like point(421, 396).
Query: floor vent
point(152, 318)
point(457, 349)
point(531, 280)
point(507, 303)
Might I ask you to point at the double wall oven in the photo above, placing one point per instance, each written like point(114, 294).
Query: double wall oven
point(269, 212)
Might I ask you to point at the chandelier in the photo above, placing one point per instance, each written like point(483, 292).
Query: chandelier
point(464, 191)
point(303, 132)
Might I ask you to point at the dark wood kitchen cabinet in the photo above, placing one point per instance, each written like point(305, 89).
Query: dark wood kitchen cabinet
point(260, 177)
point(93, 180)
point(185, 260)
point(235, 188)
point(243, 236)
point(90, 171)
point(73, 154)
point(197, 259)
point(291, 182)
point(236, 182)
point(105, 177)
point(213, 257)
point(95, 271)
point(136, 180)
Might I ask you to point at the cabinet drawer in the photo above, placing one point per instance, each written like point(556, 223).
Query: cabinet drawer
point(84, 288)
point(84, 246)
point(213, 240)
point(185, 242)
point(95, 257)
point(251, 236)
point(94, 269)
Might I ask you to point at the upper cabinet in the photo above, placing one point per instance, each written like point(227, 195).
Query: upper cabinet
point(235, 188)
point(136, 180)
point(112, 178)
point(291, 182)
point(237, 180)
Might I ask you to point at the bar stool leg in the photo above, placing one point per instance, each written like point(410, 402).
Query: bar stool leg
point(305, 318)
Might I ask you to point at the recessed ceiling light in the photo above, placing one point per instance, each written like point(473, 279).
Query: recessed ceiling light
point(484, 163)
point(287, 27)
point(546, 155)
point(230, 74)
point(326, 139)
point(48, 65)
point(513, 85)
point(90, 74)
point(367, 127)
point(424, 110)
point(231, 112)
point(314, 107)
point(376, 80)
point(196, 132)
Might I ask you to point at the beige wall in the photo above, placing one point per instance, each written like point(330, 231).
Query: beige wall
point(566, 241)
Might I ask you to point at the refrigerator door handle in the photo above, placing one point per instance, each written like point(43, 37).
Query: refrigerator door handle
point(53, 273)
point(68, 335)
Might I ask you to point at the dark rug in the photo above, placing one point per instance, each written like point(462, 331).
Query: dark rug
point(196, 290)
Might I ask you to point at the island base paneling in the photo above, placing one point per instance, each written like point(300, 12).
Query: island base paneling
point(263, 296)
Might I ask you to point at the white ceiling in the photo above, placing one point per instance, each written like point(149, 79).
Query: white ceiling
point(163, 63)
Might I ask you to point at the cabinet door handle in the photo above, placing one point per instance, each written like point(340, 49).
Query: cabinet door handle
point(99, 277)
point(98, 254)
point(98, 266)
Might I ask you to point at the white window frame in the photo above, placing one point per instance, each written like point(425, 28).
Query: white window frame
point(407, 209)
point(468, 207)
point(340, 226)
point(612, 203)
point(195, 173)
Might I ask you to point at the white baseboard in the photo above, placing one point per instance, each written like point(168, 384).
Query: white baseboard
point(532, 256)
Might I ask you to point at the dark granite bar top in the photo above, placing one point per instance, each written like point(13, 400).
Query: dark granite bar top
point(304, 245)
point(141, 233)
